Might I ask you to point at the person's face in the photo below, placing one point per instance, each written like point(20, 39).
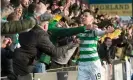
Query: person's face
point(83, 6)
point(25, 3)
point(61, 8)
point(87, 18)
point(108, 42)
point(54, 6)
point(19, 11)
point(16, 17)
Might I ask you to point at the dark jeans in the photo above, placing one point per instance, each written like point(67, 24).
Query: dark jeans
point(132, 77)
point(39, 68)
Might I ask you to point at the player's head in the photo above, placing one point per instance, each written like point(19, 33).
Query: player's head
point(87, 17)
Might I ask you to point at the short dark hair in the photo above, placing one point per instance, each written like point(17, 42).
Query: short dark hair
point(11, 16)
point(89, 11)
point(56, 11)
point(106, 38)
point(31, 8)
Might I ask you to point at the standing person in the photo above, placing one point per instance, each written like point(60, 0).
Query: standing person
point(106, 50)
point(6, 55)
point(15, 16)
point(107, 54)
point(32, 42)
point(89, 63)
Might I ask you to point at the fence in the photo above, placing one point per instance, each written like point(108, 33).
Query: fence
point(120, 72)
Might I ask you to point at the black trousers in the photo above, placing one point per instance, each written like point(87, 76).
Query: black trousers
point(6, 62)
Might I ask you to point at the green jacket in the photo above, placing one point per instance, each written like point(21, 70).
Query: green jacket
point(13, 27)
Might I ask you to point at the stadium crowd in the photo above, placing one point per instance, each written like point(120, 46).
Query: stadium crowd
point(38, 35)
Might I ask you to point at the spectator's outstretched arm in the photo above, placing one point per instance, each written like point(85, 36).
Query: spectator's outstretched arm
point(13, 27)
point(46, 46)
point(99, 32)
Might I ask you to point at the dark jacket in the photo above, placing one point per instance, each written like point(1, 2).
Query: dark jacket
point(31, 42)
point(106, 54)
point(6, 62)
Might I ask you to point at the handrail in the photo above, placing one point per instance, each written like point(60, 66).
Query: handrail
point(62, 69)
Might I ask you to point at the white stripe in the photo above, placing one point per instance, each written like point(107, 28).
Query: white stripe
point(89, 55)
point(88, 42)
point(86, 35)
point(88, 49)
point(82, 35)
point(91, 63)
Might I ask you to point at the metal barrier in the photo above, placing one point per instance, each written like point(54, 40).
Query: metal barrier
point(67, 75)
point(118, 70)
point(71, 68)
point(70, 73)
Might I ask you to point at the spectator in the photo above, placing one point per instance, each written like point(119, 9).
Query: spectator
point(14, 26)
point(107, 51)
point(25, 4)
point(107, 55)
point(15, 16)
point(32, 18)
point(30, 45)
point(6, 59)
point(56, 31)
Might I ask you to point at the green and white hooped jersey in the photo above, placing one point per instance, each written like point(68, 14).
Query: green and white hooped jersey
point(88, 46)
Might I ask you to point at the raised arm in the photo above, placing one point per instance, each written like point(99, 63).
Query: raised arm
point(99, 32)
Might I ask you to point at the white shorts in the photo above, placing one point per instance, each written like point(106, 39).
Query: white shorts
point(89, 70)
